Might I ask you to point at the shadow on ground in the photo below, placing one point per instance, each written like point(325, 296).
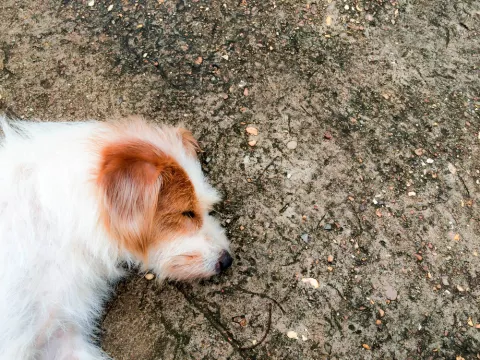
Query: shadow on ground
point(364, 175)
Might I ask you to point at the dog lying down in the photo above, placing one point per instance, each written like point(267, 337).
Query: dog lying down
point(77, 200)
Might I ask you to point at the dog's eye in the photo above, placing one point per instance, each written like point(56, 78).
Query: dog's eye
point(189, 214)
point(211, 213)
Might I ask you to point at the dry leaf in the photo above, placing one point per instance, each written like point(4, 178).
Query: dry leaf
point(470, 322)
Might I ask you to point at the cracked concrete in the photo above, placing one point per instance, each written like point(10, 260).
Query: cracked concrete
point(364, 174)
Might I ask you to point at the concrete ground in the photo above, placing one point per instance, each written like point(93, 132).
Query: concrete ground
point(364, 175)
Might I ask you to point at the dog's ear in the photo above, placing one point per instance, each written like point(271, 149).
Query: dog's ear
point(129, 181)
point(189, 142)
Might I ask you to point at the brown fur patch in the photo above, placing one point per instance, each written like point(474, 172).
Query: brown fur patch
point(189, 142)
point(147, 196)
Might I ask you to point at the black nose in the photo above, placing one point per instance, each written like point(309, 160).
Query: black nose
point(225, 261)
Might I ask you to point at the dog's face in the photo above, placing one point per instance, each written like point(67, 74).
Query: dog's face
point(155, 201)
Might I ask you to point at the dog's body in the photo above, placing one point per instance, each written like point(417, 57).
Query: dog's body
point(77, 200)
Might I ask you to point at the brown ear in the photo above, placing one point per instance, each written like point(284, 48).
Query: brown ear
point(189, 142)
point(129, 179)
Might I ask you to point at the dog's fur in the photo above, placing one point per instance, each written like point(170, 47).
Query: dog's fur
point(79, 199)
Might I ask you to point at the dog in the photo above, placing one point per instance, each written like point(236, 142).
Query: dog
point(78, 200)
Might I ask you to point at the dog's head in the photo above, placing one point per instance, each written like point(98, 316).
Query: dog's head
point(155, 201)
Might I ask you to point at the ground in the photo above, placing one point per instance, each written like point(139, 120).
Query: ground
point(364, 174)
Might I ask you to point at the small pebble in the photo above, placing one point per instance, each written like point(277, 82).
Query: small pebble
point(313, 282)
point(460, 289)
point(330, 258)
point(391, 293)
point(378, 322)
point(292, 145)
point(430, 161)
point(252, 142)
point(91, 3)
point(149, 276)
point(381, 312)
point(305, 238)
point(252, 130)
point(452, 169)
point(419, 152)
point(292, 335)
point(327, 227)
point(412, 193)
point(110, 7)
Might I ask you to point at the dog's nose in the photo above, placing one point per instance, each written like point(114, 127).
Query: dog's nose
point(225, 261)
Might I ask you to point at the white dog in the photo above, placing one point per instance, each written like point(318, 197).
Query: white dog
point(76, 201)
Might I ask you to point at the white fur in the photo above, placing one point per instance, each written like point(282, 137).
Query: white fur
point(56, 259)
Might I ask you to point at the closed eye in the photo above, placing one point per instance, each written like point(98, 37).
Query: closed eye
point(189, 214)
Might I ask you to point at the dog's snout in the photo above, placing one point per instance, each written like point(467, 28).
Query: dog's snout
point(225, 261)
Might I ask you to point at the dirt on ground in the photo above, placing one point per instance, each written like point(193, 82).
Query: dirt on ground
point(353, 213)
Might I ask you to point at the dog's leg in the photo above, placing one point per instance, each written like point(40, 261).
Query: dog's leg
point(70, 344)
